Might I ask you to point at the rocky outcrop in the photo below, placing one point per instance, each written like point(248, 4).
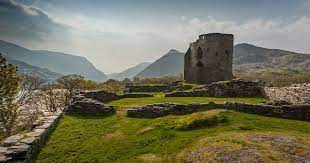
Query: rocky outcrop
point(100, 95)
point(297, 93)
point(90, 106)
point(22, 147)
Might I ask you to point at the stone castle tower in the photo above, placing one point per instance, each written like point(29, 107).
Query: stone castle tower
point(209, 59)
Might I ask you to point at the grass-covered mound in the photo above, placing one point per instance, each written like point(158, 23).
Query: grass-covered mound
point(200, 120)
point(97, 138)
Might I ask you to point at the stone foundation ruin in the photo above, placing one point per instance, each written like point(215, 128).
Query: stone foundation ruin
point(297, 112)
point(232, 88)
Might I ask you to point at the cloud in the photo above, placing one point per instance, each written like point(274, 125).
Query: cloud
point(107, 40)
point(288, 34)
point(26, 22)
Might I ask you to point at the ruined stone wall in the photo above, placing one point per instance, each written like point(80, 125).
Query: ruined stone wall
point(209, 59)
point(297, 112)
point(297, 93)
point(22, 147)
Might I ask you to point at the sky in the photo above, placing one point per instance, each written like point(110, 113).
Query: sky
point(117, 34)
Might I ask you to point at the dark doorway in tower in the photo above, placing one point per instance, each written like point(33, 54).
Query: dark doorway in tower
point(199, 53)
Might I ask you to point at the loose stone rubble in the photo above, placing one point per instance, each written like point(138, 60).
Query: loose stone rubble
point(297, 93)
point(22, 147)
point(298, 112)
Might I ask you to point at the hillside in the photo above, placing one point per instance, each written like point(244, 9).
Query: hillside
point(54, 61)
point(42, 73)
point(169, 64)
point(250, 58)
point(130, 72)
point(246, 58)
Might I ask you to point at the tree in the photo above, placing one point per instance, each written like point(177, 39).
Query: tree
point(71, 84)
point(16, 92)
point(9, 88)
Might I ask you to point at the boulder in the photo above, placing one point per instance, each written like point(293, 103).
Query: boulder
point(90, 106)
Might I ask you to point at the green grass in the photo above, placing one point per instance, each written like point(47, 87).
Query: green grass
point(200, 120)
point(128, 102)
point(120, 138)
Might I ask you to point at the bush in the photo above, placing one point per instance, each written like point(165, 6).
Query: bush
point(200, 120)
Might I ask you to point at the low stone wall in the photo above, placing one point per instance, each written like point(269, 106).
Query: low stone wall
point(232, 88)
point(164, 109)
point(147, 88)
point(157, 88)
point(89, 106)
point(100, 95)
point(136, 95)
point(22, 147)
point(297, 93)
point(297, 112)
point(194, 93)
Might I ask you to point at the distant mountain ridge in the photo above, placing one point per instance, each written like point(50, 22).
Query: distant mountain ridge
point(246, 58)
point(60, 63)
point(169, 64)
point(42, 73)
point(129, 73)
point(251, 58)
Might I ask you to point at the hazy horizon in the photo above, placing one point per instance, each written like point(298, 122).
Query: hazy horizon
point(128, 33)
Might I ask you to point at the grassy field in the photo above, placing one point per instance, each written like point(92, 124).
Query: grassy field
point(168, 139)
point(159, 98)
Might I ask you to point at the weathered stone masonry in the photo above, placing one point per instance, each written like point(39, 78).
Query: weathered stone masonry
point(297, 112)
point(209, 59)
point(22, 147)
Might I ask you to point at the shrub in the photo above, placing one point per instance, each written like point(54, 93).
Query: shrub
point(200, 120)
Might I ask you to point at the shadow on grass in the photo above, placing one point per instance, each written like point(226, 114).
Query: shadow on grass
point(90, 116)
